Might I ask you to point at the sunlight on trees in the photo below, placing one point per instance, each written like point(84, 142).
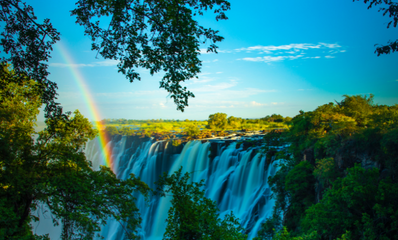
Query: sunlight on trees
point(340, 179)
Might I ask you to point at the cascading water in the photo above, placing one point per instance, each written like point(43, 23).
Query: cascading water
point(235, 177)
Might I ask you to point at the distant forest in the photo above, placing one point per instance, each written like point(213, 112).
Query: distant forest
point(218, 124)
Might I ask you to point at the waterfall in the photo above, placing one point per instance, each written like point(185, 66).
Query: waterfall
point(235, 177)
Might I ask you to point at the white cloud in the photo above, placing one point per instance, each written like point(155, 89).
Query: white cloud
point(291, 51)
point(208, 61)
point(162, 105)
point(204, 51)
point(263, 59)
point(271, 58)
point(270, 48)
point(224, 51)
point(107, 63)
point(312, 57)
point(330, 45)
point(328, 56)
point(256, 104)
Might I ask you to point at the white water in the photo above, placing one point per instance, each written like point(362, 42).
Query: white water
point(235, 178)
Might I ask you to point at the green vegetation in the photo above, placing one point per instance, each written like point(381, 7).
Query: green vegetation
point(216, 125)
point(192, 215)
point(119, 31)
point(322, 191)
point(217, 121)
point(49, 167)
point(339, 177)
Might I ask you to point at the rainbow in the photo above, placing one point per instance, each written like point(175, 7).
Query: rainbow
point(89, 101)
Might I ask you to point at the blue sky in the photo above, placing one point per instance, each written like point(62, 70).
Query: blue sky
point(277, 57)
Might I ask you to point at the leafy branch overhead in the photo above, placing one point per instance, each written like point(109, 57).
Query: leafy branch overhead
point(155, 35)
point(28, 45)
point(392, 11)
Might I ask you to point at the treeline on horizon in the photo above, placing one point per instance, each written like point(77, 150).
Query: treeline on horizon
point(338, 178)
point(218, 124)
point(122, 121)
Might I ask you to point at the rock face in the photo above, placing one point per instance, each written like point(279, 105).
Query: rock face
point(236, 177)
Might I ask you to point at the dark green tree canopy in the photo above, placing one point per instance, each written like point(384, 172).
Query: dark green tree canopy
point(156, 35)
point(321, 191)
point(161, 36)
point(28, 45)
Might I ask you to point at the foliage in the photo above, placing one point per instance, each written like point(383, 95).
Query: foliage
point(28, 45)
point(329, 193)
point(390, 9)
point(234, 122)
point(162, 129)
point(156, 35)
point(192, 130)
point(360, 203)
point(176, 143)
point(326, 171)
point(284, 234)
point(299, 184)
point(192, 215)
point(274, 118)
point(217, 121)
point(49, 168)
point(111, 130)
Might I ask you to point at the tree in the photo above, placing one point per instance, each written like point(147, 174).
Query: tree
point(299, 184)
point(192, 215)
point(156, 35)
point(274, 118)
point(50, 168)
point(234, 122)
point(29, 45)
point(111, 130)
point(217, 121)
point(360, 203)
point(392, 10)
point(334, 138)
point(192, 130)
